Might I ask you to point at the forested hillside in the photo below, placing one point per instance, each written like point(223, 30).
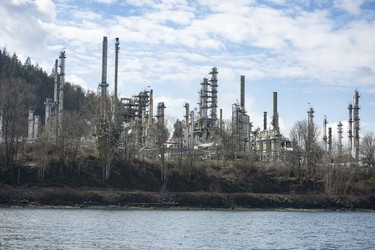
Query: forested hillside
point(40, 83)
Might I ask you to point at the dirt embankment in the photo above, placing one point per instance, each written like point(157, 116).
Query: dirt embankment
point(89, 197)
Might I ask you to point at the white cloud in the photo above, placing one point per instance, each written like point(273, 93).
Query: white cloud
point(47, 7)
point(173, 44)
point(351, 6)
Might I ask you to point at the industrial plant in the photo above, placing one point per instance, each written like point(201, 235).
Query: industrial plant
point(134, 117)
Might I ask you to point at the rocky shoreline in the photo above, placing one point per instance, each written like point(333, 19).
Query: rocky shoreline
point(113, 198)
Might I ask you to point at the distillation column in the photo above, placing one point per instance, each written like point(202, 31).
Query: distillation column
point(61, 91)
point(325, 122)
point(350, 129)
point(213, 82)
point(150, 121)
point(356, 127)
point(186, 127)
point(203, 107)
point(339, 131)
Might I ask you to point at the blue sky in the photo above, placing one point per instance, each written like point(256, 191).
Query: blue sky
point(313, 53)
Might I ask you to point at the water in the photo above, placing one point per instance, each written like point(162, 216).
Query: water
point(23, 228)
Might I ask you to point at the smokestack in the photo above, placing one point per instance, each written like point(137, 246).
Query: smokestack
point(275, 118)
point(117, 48)
point(104, 84)
point(265, 120)
point(55, 82)
point(104, 60)
point(62, 80)
point(242, 93)
point(330, 139)
point(186, 106)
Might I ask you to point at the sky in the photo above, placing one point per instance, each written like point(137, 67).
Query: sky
point(314, 53)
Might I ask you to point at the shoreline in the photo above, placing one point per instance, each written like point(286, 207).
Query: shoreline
point(101, 198)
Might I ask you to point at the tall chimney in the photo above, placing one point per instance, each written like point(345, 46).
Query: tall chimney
point(330, 139)
point(265, 120)
point(275, 118)
point(104, 84)
point(55, 82)
point(117, 48)
point(104, 60)
point(242, 93)
point(62, 80)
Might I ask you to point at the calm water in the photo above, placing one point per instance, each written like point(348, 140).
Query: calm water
point(163, 229)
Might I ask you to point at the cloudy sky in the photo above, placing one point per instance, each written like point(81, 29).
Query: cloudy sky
point(314, 53)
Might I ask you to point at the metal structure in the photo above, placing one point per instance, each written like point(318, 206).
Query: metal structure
point(115, 94)
point(207, 120)
point(33, 126)
point(350, 129)
point(356, 127)
point(339, 137)
point(325, 138)
point(270, 144)
point(138, 113)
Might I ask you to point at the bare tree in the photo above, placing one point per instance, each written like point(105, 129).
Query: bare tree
point(15, 98)
point(42, 150)
point(161, 135)
point(307, 149)
point(69, 139)
point(225, 142)
point(368, 149)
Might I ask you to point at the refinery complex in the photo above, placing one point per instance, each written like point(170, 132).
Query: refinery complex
point(139, 117)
